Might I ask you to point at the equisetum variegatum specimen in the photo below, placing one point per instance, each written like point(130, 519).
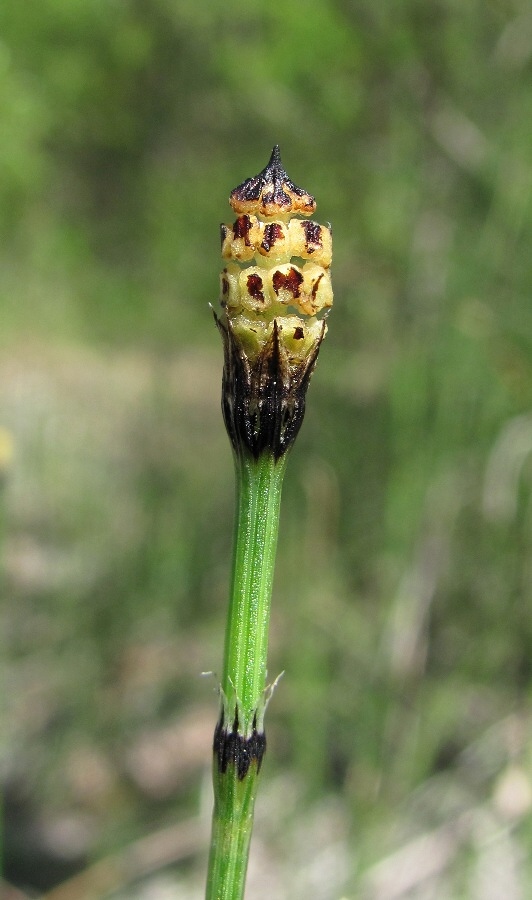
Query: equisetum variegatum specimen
point(275, 295)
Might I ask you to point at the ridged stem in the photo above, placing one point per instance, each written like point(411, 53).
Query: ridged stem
point(239, 738)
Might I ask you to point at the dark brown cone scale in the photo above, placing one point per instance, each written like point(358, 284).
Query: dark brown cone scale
point(271, 193)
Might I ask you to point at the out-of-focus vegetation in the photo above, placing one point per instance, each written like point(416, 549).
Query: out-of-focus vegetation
point(399, 761)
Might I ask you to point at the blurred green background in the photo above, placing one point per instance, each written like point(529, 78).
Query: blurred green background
point(400, 761)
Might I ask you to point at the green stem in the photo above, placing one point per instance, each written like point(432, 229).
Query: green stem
point(258, 500)
point(239, 739)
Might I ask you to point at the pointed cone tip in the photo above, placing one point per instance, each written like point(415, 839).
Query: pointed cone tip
point(271, 193)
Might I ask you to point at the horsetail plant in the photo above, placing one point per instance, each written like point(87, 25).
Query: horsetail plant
point(274, 286)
